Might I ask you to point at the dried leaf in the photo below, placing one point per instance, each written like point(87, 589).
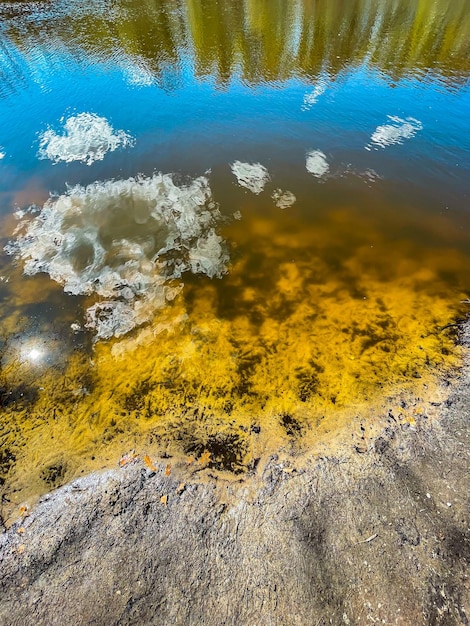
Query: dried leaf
point(164, 500)
point(20, 548)
point(21, 530)
point(148, 462)
point(190, 460)
point(168, 469)
point(128, 458)
point(205, 458)
point(180, 488)
point(23, 511)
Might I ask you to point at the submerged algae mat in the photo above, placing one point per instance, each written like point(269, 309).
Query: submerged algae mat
point(309, 328)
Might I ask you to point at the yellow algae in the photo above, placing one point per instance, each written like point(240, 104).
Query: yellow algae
point(310, 327)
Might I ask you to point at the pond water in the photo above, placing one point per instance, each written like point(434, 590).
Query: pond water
point(223, 224)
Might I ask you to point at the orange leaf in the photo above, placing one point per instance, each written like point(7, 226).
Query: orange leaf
point(164, 500)
point(168, 469)
point(21, 530)
point(149, 464)
point(205, 458)
point(128, 458)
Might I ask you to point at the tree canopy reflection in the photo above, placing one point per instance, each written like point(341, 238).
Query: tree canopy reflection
point(258, 40)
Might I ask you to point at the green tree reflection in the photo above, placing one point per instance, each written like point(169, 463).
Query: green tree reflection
point(259, 40)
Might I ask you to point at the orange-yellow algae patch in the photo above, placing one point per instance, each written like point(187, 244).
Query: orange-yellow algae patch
point(304, 332)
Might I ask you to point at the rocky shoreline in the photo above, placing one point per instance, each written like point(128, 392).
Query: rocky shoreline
point(374, 535)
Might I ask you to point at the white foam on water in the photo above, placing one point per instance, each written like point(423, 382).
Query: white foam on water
point(316, 163)
point(394, 133)
point(252, 176)
point(2, 154)
point(283, 199)
point(86, 137)
point(128, 242)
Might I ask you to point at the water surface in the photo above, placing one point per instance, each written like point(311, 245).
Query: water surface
point(240, 222)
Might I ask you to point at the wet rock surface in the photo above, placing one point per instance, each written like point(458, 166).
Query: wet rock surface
point(380, 536)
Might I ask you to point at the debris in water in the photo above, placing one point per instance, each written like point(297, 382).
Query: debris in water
point(205, 458)
point(128, 458)
point(149, 463)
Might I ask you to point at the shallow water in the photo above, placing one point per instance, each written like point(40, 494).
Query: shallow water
point(304, 251)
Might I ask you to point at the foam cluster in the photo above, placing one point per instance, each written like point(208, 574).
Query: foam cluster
point(86, 137)
point(128, 242)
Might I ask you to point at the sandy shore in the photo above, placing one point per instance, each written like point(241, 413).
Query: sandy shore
point(372, 534)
